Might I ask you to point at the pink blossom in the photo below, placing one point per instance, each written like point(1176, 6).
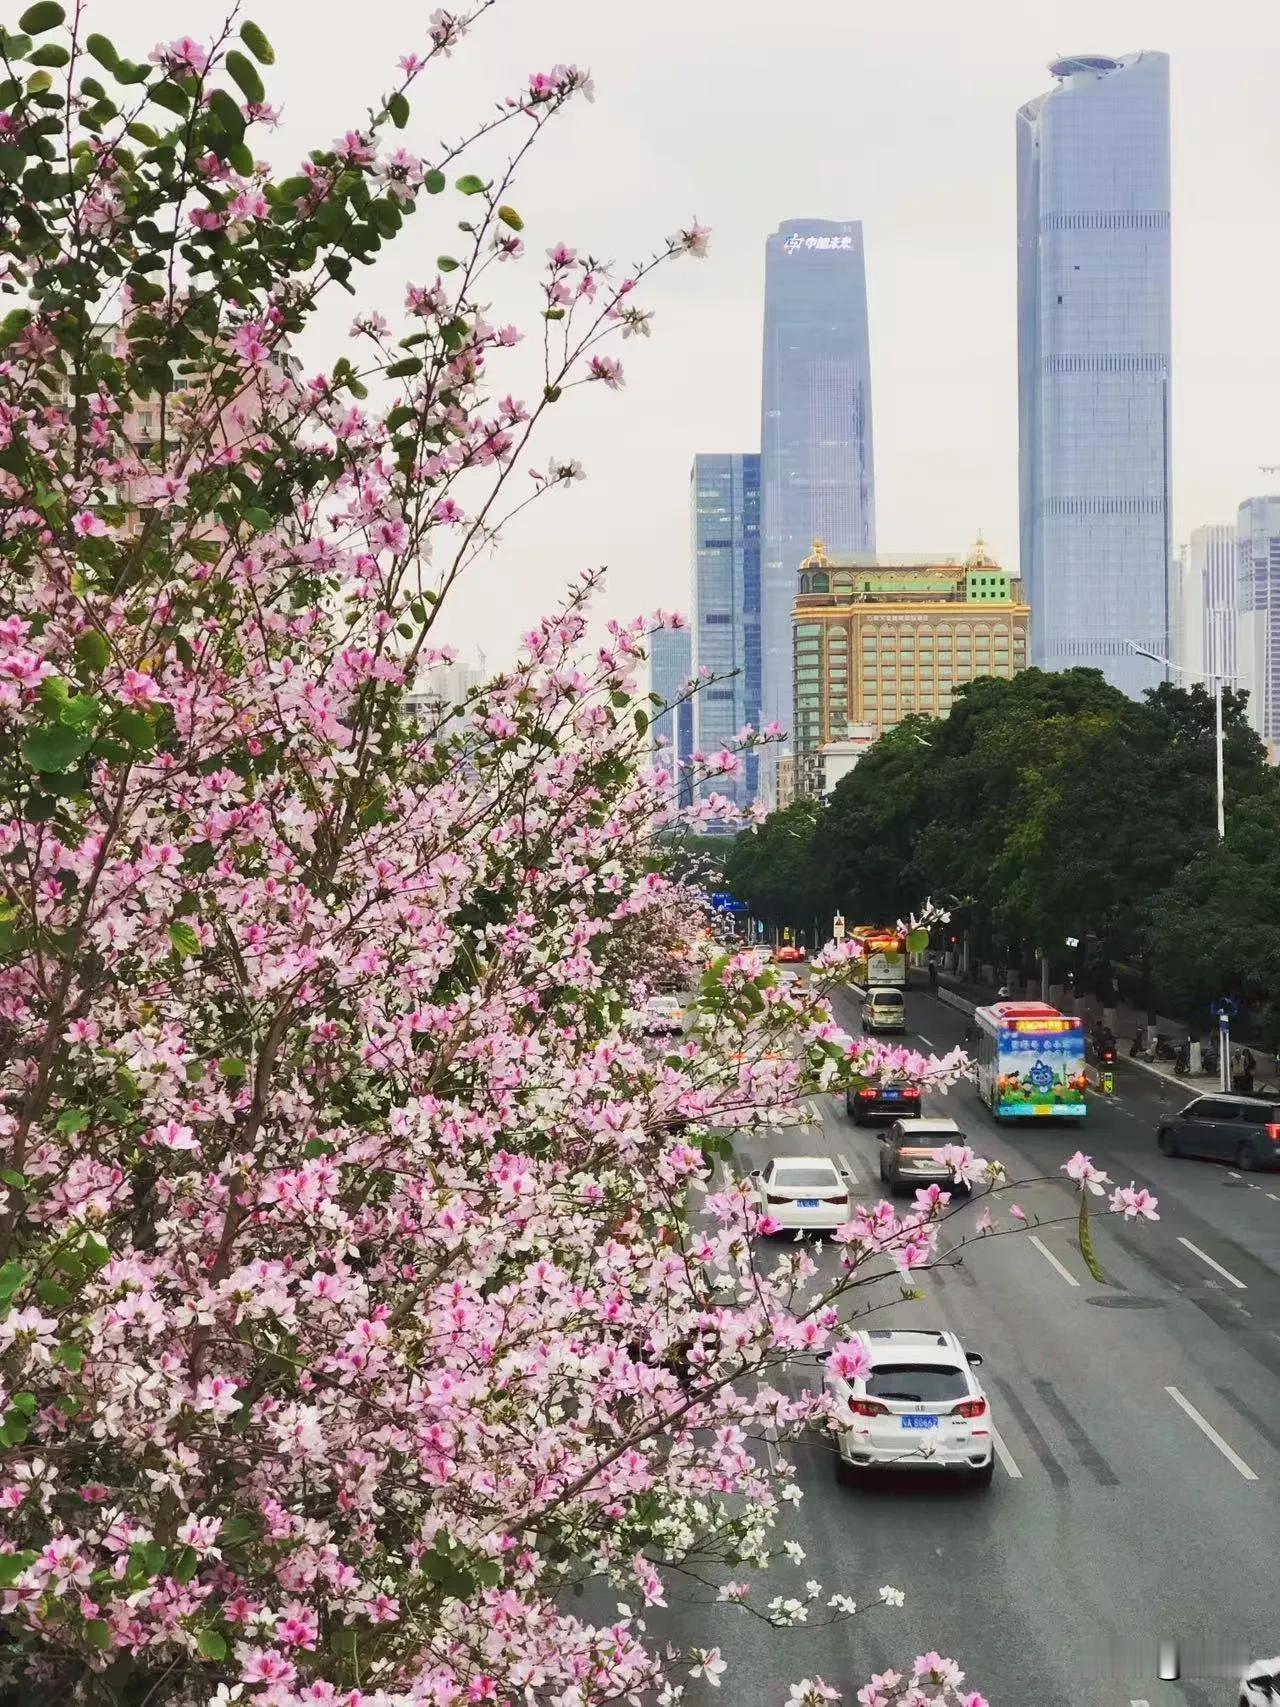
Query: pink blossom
point(182, 55)
point(849, 1360)
point(1081, 1169)
point(250, 343)
point(607, 369)
point(1133, 1204)
point(86, 525)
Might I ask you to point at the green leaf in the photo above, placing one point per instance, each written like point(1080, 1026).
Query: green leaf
point(135, 727)
point(97, 1252)
point(92, 651)
point(53, 1293)
point(99, 1632)
point(209, 1644)
point(509, 216)
point(168, 95)
point(70, 1356)
point(232, 1067)
point(12, 1565)
point(398, 107)
point(257, 43)
point(447, 264)
point(470, 185)
point(184, 939)
point(917, 941)
point(102, 50)
point(402, 370)
point(239, 1530)
point(44, 15)
point(184, 1566)
point(433, 182)
point(13, 1179)
point(25, 1403)
point(230, 118)
point(245, 73)
point(52, 53)
point(1086, 1241)
point(80, 712)
point(54, 748)
point(642, 721)
point(73, 1120)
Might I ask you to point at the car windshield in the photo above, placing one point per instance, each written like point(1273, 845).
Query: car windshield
point(792, 1178)
point(919, 1383)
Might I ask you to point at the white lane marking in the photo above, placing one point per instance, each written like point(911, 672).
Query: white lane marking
point(1049, 1257)
point(927, 1040)
point(1217, 1267)
point(1005, 1456)
point(1273, 1197)
point(1139, 1704)
point(847, 1165)
point(1207, 1429)
point(1230, 1175)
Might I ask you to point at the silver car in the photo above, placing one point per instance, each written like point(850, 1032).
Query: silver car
point(910, 1158)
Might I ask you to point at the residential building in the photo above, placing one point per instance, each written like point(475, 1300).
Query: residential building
point(1209, 597)
point(817, 471)
point(838, 758)
point(724, 504)
point(1258, 621)
point(877, 640)
point(1094, 366)
point(785, 781)
point(670, 670)
point(440, 689)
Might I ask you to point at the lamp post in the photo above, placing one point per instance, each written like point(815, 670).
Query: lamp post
point(1217, 679)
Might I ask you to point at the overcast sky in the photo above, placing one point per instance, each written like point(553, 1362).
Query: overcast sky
point(745, 114)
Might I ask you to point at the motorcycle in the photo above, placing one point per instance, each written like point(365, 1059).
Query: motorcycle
point(1182, 1059)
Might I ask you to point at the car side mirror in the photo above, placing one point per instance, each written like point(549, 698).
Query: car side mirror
point(974, 1357)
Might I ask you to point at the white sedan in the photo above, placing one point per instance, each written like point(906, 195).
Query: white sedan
point(916, 1405)
point(662, 1017)
point(803, 1193)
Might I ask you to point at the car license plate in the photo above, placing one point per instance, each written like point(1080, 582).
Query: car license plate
point(891, 1096)
point(919, 1422)
point(807, 1203)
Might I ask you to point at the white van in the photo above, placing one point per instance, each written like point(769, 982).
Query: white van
point(884, 1010)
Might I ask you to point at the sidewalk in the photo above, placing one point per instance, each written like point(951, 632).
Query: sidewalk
point(1127, 1024)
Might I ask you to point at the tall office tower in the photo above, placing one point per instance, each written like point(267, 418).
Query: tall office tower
point(1093, 365)
point(817, 471)
point(1210, 604)
point(724, 511)
point(670, 668)
point(1258, 592)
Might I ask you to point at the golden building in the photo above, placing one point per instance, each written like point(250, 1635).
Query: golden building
point(876, 641)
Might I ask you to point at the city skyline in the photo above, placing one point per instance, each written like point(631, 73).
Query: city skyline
point(817, 455)
point(1094, 366)
point(1258, 622)
point(901, 119)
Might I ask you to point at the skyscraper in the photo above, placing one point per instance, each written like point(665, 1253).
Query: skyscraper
point(1258, 591)
point(670, 667)
point(817, 471)
point(1210, 604)
point(1093, 365)
point(724, 505)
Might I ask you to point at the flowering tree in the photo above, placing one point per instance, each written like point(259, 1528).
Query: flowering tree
point(363, 1283)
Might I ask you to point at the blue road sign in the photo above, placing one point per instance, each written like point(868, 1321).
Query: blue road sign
point(1226, 1007)
point(723, 903)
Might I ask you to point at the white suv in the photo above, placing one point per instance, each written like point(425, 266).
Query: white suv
point(919, 1407)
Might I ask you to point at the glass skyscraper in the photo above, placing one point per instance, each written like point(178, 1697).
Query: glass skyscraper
point(724, 507)
point(1206, 643)
point(1093, 365)
point(1258, 596)
point(670, 668)
point(817, 471)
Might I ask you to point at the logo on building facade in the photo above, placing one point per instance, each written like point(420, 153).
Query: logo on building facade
point(795, 241)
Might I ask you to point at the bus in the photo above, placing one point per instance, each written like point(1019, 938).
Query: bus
point(881, 962)
point(1030, 1061)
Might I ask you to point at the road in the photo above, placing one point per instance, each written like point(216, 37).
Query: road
point(1135, 1503)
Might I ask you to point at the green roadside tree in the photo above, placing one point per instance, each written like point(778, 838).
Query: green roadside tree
point(771, 867)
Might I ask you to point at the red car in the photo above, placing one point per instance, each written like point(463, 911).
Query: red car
point(789, 954)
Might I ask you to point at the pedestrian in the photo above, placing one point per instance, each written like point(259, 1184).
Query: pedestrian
point(1248, 1067)
point(1237, 1070)
point(933, 976)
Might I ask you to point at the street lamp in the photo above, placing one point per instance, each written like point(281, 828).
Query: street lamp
point(1217, 678)
point(1224, 1036)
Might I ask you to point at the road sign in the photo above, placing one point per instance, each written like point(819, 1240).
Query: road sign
point(725, 903)
point(1108, 1084)
point(838, 927)
point(1225, 1007)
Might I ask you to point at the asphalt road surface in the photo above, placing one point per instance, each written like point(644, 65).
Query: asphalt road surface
point(1128, 1551)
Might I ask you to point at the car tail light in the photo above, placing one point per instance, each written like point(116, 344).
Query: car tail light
point(769, 1197)
point(868, 1408)
point(971, 1408)
point(867, 1094)
point(842, 1198)
point(913, 1094)
point(1273, 1132)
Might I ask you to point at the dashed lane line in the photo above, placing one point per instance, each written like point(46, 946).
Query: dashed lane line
point(1210, 1433)
point(1049, 1257)
point(843, 1162)
point(927, 1040)
point(1007, 1461)
point(1240, 1285)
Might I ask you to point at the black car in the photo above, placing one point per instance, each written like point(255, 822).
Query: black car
point(1239, 1129)
point(882, 1102)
